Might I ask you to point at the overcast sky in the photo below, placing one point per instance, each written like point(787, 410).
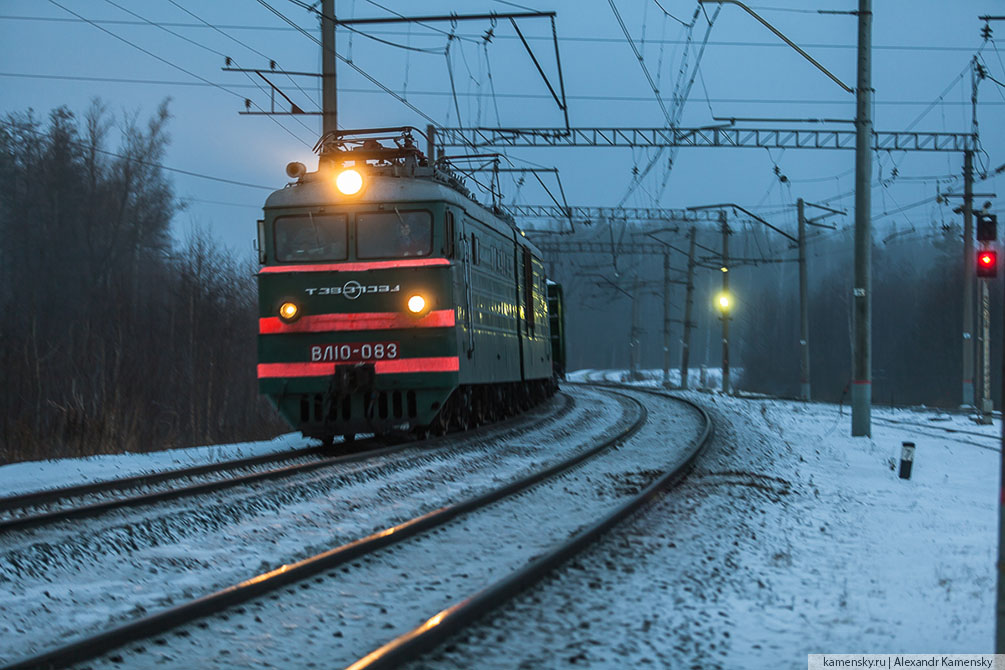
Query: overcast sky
point(920, 50)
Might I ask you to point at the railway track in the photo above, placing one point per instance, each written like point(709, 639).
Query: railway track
point(99, 572)
point(993, 441)
point(40, 508)
point(351, 557)
point(449, 622)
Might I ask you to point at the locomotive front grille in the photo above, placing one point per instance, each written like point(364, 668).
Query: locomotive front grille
point(378, 405)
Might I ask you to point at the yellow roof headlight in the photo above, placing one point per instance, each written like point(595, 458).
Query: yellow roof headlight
point(349, 182)
point(288, 311)
point(416, 304)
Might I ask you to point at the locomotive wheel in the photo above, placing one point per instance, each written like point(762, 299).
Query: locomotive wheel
point(513, 402)
point(348, 437)
point(441, 423)
point(463, 410)
point(462, 418)
point(500, 408)
point(479, 408)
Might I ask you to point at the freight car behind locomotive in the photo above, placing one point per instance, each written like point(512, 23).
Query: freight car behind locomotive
point(390, 299)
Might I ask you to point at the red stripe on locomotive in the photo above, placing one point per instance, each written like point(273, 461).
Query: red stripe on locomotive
point(357, 267)
point(442, 318)
point(395, 366)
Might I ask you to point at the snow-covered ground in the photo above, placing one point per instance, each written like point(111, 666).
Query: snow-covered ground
point(790, 537)
point(86, 575)
point(39, 475)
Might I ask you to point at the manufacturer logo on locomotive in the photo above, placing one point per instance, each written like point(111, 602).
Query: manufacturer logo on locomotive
point(352, 289)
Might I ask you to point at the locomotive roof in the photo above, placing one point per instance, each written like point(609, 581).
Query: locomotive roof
point(316, 190)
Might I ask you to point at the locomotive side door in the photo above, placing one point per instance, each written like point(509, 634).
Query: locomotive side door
point(465, 248)
point(525, 307)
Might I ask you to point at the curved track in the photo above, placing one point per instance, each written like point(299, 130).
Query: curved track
point(993, 439)
point(51, 506)
point(299, 572)
point(451, 621)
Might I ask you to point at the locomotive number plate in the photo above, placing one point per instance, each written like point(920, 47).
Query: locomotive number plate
point(356, 352)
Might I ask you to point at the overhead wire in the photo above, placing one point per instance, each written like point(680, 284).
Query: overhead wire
point(200, 45)
point(243, 44)
point(420, 23)
point(669, 14)
point(169, 63)
point(355, 67)
point(513, 4)
point(522, 96)
point(453, 85)
point(570, 38)
point(938, 98)
point(642, 62)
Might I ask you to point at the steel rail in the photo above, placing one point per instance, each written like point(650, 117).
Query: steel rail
point(52, 495)
point(95, 509)
point(439, 627)
point(90, 647)
point(996, 438)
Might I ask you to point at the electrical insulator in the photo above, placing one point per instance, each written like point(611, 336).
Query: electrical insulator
point(987, 263)
point(987, 227)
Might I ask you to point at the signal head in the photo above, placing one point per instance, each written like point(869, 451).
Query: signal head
point(987, 263)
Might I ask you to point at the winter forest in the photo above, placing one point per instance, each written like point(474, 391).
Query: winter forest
point(116, 336)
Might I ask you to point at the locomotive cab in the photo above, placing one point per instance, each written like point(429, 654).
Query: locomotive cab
point(355, 297)
point(389, 299)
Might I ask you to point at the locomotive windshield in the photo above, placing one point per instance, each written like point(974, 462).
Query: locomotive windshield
point(394, 234)
point(311, 237)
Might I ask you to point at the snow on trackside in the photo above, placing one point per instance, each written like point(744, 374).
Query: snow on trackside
point(39, 475)
point(790, 537)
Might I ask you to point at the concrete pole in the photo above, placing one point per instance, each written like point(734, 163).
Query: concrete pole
point(329, 95)
point(685, 354)
point(804, 309)
point(725, 312)
point(1000, 601)
point(968, 279)
point(861, 391)
point(986, 405)
point(666, 319)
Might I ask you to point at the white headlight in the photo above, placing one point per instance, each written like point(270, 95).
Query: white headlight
point(349, 182)
point(416, 304)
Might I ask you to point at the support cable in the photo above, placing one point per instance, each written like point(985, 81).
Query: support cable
point(201, 46)
point(244, 44)
point(85, 145)
point(169, 63)
point(355, 67)
point(642, 63)
point(450, 76)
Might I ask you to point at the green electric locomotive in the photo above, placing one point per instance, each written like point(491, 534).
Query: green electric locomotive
point(390, 299)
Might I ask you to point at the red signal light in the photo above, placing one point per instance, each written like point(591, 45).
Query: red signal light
point(987, 263)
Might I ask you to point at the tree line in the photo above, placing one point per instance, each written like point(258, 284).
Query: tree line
point(917, 309)
point(115, 337)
